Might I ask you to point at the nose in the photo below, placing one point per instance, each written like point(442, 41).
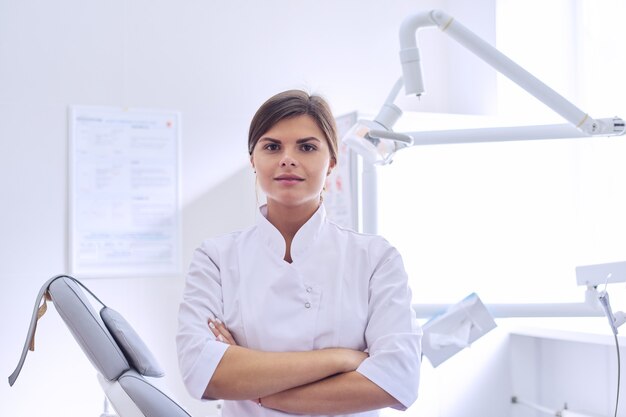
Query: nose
point(287, 160)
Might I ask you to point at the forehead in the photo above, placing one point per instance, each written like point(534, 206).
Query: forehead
point(297, 127)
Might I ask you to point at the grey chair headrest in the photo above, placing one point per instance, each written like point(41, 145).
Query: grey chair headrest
point(88, 328)
point(112, 347)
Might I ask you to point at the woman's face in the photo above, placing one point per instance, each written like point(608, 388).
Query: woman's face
point(292, 160)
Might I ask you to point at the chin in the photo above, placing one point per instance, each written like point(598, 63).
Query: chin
point(294, 202)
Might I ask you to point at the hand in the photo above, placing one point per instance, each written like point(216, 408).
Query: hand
point(220, 332)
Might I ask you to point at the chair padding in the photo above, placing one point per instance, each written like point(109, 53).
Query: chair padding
point(87, 328)
point(149, 399)
point(98, 335)
point(131, 344)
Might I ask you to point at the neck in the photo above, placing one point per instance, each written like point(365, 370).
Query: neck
point(289, 219)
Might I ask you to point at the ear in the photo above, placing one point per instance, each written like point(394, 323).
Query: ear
point(331, 166)
point(252, 161)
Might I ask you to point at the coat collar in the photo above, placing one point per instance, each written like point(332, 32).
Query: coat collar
point(302, 241)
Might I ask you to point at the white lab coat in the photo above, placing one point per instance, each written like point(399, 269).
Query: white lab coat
point(343, 289)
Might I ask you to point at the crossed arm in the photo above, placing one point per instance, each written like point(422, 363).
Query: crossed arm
point(315, 382)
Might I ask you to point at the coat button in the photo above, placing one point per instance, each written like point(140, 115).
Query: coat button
point(309, 289)
point(307, 305)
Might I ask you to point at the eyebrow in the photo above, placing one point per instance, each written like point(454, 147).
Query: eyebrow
point(303, 140)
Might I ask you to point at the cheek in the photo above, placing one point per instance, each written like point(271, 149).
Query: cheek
point(260, 165)
point(264, 175)
point(320, 175)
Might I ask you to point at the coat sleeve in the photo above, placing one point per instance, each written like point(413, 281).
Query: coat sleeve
point(199, 352)
point(392, 335)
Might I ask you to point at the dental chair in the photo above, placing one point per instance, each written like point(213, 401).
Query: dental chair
point(112, 346)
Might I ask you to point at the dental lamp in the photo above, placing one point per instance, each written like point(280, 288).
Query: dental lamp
point(377, 143)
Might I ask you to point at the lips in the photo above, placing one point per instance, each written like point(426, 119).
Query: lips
point(294, 178)
point(289, 180)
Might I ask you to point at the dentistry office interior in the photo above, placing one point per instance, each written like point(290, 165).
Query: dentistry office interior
point(510, 223)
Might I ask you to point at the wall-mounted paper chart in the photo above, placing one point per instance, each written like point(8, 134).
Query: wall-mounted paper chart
point(124, 192)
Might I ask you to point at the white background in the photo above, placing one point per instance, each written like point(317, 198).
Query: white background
point(216, 62)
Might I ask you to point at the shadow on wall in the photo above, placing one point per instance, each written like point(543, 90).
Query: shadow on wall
point(229, 206)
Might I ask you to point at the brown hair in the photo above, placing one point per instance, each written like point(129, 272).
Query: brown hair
point(293, 103)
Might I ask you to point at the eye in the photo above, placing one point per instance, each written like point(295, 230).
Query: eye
point(307, 147)
point(271, 147)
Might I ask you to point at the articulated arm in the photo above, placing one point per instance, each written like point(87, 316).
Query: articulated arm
point(409, 57)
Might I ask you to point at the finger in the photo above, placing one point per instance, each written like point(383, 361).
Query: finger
point(217, 332)
point(214, 329)
point(222, 328)
point(224, 332)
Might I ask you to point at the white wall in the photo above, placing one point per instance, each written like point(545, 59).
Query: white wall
point(213, 61)
point(565, 368)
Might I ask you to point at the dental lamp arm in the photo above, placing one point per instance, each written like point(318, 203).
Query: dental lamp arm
point(377, 142)
point(503, 134)
point(409, 57)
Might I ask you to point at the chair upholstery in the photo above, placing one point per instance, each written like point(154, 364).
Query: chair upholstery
point(121, 369)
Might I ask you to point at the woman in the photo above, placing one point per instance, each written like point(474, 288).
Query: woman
point(295, 314)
